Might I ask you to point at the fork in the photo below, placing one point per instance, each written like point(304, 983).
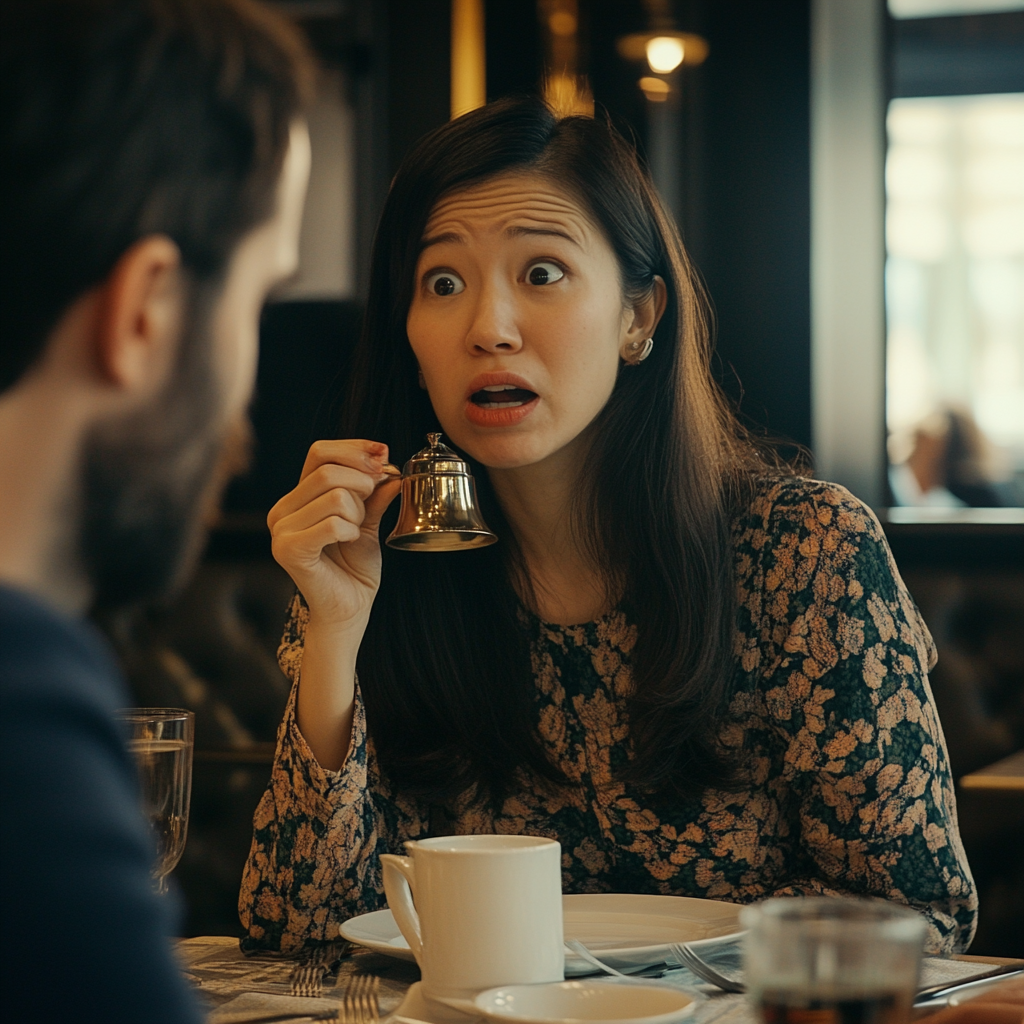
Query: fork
point(361, 1003)
point(580, 950)
point(704, 971)
point(327, 1017)
point(688, 958)
point(307, 980)
point(359, 1006)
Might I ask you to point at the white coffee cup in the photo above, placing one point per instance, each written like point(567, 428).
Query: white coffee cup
point(479, 911)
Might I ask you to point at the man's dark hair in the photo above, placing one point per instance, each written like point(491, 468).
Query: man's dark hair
point(126, 118)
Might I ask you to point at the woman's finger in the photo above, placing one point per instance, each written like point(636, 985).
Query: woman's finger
point(338, 501)
point(307, 545)
point(323, 479)
point(367, 456)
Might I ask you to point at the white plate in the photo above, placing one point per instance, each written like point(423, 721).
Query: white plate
point(593, 1001)
point(625, 930)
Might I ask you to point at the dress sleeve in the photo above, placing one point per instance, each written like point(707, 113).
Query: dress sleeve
point(843, 687)
point(317, 834)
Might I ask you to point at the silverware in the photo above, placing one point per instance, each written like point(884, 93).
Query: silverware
point(328, 1016)
point(653, 970)
point(307, 980)
point(580, 950)
point(706, 972)
point(361, 1003)
point(688, 958)
point(927, 996)
point(293, 979)
point(307, 977)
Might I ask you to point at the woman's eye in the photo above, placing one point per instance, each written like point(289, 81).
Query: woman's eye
point(544, 272)
point(444, 282)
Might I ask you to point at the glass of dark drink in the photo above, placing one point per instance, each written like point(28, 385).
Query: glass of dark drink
point(818, 960)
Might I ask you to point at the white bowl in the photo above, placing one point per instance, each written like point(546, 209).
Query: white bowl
point(590, 1001)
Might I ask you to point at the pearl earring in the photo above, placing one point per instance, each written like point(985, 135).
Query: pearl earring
point(638, 351)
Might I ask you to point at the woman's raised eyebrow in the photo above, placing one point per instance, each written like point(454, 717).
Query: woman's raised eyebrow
point(518, 232)
point(513, 232)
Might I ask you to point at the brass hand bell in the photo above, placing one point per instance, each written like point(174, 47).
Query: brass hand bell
point(439, 510)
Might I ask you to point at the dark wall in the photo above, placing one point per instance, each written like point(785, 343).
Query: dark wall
point(755, 246)
point(744, 127)
point(397, 57)
point(419, 72)
point(305, 349)
point(514, 58)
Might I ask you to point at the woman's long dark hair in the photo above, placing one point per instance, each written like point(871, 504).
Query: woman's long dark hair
point(445, 663)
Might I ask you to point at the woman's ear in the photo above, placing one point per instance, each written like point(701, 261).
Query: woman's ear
point(647, 314)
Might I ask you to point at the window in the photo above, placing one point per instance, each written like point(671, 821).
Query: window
point(955, 299)
point(954, 272)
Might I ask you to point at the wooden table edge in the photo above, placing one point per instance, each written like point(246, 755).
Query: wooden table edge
point(996, 961)
point(993, 783)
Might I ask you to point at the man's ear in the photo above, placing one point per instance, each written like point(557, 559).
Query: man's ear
point(647, 313)
point(140, 316)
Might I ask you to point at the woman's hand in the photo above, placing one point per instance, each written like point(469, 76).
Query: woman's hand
point(325, 531)
point(325, 536)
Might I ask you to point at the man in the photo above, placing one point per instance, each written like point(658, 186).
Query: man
point(154, 165)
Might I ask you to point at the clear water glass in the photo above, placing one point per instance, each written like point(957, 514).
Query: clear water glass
point(161, 740)
point(818, 960)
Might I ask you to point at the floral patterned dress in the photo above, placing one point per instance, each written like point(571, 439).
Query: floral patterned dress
point(850, 791)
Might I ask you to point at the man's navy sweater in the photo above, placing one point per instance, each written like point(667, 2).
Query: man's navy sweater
point(84, 936)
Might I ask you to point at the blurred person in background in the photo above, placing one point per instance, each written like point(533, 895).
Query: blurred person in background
point(951, 465)
point(154, 166)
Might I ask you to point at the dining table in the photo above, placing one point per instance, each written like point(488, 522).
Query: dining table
point(236, 987)
point(1006, 775)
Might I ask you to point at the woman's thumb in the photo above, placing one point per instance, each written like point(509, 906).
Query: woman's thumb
point(376, 503)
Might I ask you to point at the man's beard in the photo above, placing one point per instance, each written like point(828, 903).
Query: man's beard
point(151, 483)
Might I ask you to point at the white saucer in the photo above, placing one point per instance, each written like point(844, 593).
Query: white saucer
point(595, 1002)
point(416, 1008)
point(623, 929)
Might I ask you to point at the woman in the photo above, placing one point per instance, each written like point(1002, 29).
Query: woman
point(701, 674)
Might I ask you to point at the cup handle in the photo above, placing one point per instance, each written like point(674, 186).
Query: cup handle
point(399, 879)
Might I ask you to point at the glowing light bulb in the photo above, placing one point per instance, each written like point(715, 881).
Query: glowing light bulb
point(664, 54)
point(655, 89)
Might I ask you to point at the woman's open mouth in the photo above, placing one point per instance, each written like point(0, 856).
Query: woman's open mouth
point(503, 403)
point(501, 396)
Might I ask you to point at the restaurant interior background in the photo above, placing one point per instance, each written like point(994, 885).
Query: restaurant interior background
point(849, 176)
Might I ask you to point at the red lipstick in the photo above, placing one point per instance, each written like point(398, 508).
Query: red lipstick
point(499, 399)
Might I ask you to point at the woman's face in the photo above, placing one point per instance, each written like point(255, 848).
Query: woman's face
point(517, 319)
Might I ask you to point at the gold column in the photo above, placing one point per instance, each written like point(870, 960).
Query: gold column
point(469, 67)
point(565, 90)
